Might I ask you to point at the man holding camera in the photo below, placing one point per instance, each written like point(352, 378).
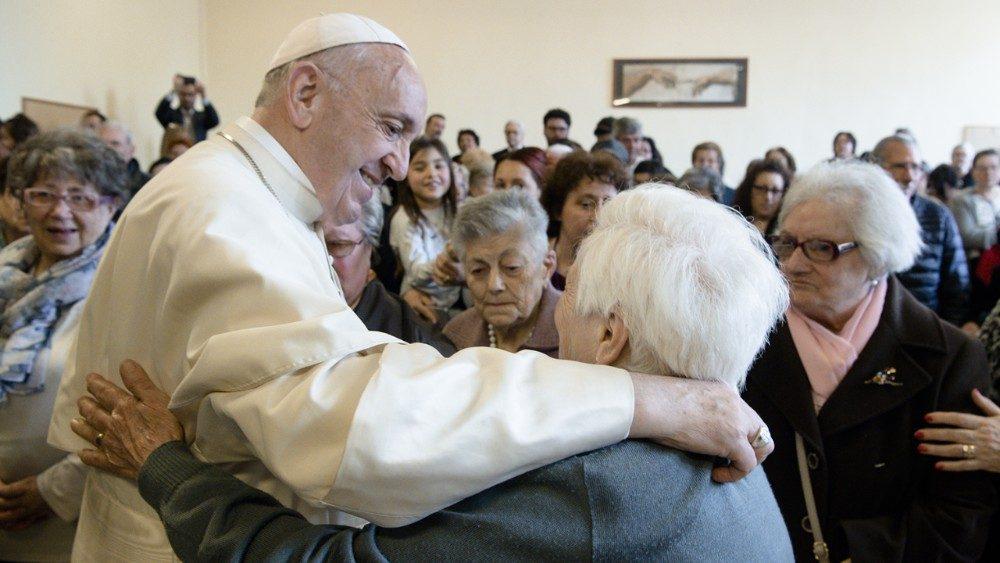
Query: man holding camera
point(182, 106)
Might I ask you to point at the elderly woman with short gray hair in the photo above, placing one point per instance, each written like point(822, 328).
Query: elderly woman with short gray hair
point(846, 381)
point(501, 242)
point(69, 186)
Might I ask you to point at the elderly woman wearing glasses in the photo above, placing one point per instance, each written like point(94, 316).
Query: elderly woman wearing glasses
point(69, 186)
point(500, 239)
point(848, 377)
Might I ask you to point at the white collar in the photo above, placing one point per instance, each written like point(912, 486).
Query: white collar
point(290, 184)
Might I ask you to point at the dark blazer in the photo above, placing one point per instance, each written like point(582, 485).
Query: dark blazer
point(633, 501)
point(386, 312)
point(878, 499)
point(201, 121)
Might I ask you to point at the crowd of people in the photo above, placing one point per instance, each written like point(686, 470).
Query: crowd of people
point(372, 335)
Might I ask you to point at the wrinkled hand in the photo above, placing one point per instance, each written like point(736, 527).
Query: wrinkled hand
point(698, 416)
point(421, 303)
point(134, 423)
point(21, 505)
point(983, 432)
point(447, 269)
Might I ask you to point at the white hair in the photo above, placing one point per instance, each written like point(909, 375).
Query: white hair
point(372, 217)
point(966, 146)
point(876, 211)
point(693, 281)
point(516, 123)
point(497, 213)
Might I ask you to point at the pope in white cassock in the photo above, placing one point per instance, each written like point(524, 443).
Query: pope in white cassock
point(217, 281)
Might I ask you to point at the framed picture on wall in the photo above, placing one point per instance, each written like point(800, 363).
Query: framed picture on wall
point(672, 83)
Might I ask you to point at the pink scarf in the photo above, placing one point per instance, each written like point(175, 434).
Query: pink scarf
point(828, 357)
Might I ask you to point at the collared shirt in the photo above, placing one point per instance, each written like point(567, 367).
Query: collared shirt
point(223, 291)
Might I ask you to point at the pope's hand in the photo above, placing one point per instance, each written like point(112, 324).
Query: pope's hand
point(126, 426)
point(699, 416)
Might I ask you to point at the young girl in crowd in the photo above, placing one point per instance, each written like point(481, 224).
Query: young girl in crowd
point(579, 187)
point(420, 226)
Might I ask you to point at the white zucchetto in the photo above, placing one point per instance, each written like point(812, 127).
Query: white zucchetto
point(331, 30)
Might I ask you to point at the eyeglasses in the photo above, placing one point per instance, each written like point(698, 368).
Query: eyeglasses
point(342, 248)
point(816, 250)
point(768, 190)
point(44, 199)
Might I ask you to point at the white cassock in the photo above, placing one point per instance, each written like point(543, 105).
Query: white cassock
point(224, 292)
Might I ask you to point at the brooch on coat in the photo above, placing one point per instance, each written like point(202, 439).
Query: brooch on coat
point(884, 377)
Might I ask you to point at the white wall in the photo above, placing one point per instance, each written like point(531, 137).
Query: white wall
point(815, 66)
point(116, 55)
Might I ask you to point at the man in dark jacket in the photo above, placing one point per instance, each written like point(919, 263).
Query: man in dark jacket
point(940, 277)
point(180, 107)
point(352, 248)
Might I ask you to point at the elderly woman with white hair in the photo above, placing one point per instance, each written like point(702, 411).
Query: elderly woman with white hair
point(501, 242)
point(661, 284)
point(846, 381)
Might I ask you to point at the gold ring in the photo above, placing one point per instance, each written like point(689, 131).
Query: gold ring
point(969, 450)
point(98, 439)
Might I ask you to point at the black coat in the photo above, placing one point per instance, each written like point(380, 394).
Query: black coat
point(878, 499)
point(201, 121)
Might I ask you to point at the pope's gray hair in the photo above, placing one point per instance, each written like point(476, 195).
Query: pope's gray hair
point(497, 213)
point(336, 61)
point(693, 282)
point(875, 210)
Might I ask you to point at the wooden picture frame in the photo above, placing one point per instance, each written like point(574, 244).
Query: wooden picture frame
point(51, 115)
point(680, 83)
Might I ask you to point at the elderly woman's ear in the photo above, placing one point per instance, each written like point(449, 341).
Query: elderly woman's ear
point(614, 338)
point(550, 263)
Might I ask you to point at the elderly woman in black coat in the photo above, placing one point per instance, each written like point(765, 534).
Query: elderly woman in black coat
point(846, 380)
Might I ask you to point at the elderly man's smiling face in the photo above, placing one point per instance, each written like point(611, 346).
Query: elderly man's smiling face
point(367, 114)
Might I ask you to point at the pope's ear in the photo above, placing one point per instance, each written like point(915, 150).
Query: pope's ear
point(614, 337)
point(302, 93)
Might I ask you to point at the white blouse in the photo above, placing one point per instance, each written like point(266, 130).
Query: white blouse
point(417, 247)
point(24, 424)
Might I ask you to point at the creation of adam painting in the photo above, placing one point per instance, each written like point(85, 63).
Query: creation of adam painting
point(680, 83)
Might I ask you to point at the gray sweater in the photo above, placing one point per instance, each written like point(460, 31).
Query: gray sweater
point(630, 501)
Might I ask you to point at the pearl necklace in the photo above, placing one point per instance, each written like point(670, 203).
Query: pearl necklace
point(493, 335)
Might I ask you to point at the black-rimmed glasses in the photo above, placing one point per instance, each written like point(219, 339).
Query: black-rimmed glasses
point(817, 250)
